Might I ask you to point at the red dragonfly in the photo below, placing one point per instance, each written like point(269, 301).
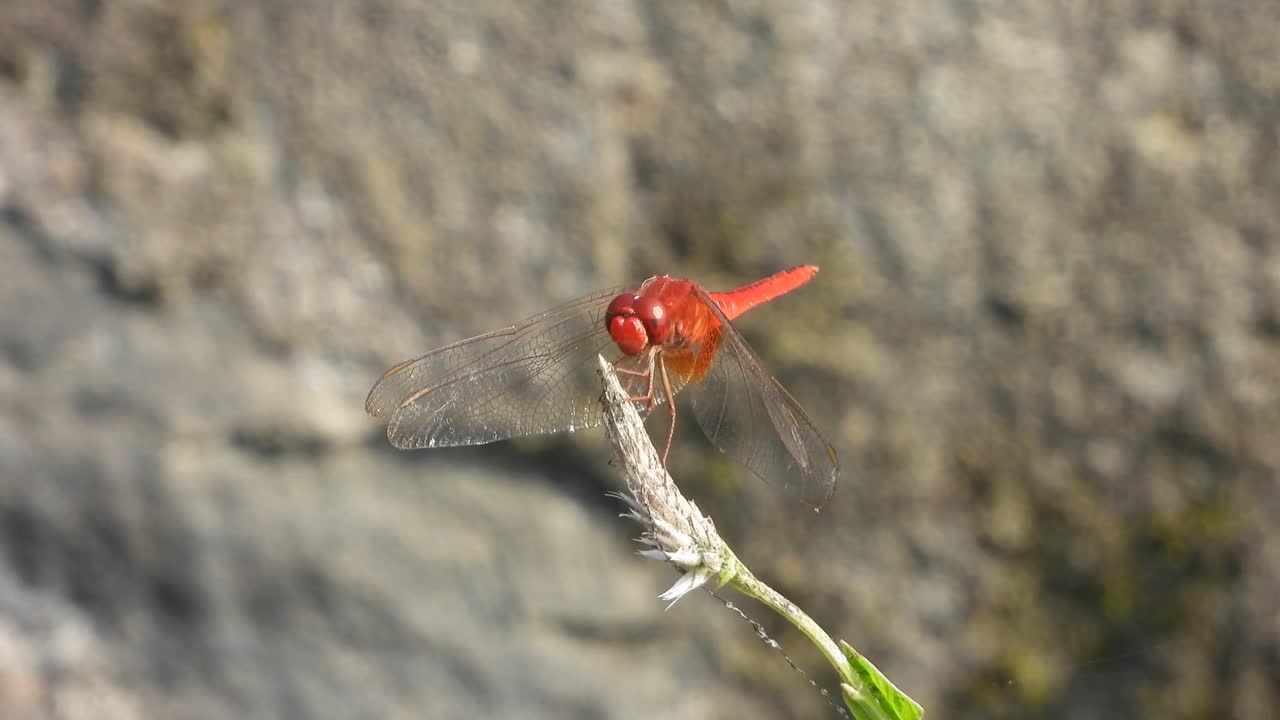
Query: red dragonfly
point(539, 376)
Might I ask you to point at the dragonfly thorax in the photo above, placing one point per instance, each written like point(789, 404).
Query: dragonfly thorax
point(636, 322)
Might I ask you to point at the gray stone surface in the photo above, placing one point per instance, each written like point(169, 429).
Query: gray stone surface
point(1046, 339)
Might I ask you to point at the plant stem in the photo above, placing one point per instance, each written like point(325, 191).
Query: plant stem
point(748, 584)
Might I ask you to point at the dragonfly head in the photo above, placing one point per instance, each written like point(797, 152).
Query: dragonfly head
point(635, 322)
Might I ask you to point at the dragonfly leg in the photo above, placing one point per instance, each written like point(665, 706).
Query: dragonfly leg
point(650, 397)
point(637, 373)
point(671, 408)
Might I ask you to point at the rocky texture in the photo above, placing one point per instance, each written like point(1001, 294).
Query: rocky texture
point(1046, 339)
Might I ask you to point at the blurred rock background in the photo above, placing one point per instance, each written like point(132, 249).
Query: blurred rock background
point(1046, 339)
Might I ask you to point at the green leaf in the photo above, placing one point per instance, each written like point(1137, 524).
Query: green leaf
point(879, 698)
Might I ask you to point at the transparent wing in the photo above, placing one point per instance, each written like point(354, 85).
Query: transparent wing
point(746, 413)
point(535, 377)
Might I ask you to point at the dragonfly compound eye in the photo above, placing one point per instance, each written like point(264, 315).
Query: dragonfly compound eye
point(621, 305)
point(627, 330)
point(654, 316)
point(629, 334)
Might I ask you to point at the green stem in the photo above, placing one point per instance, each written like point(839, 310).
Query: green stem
point(748, 584)
point(867, 692)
